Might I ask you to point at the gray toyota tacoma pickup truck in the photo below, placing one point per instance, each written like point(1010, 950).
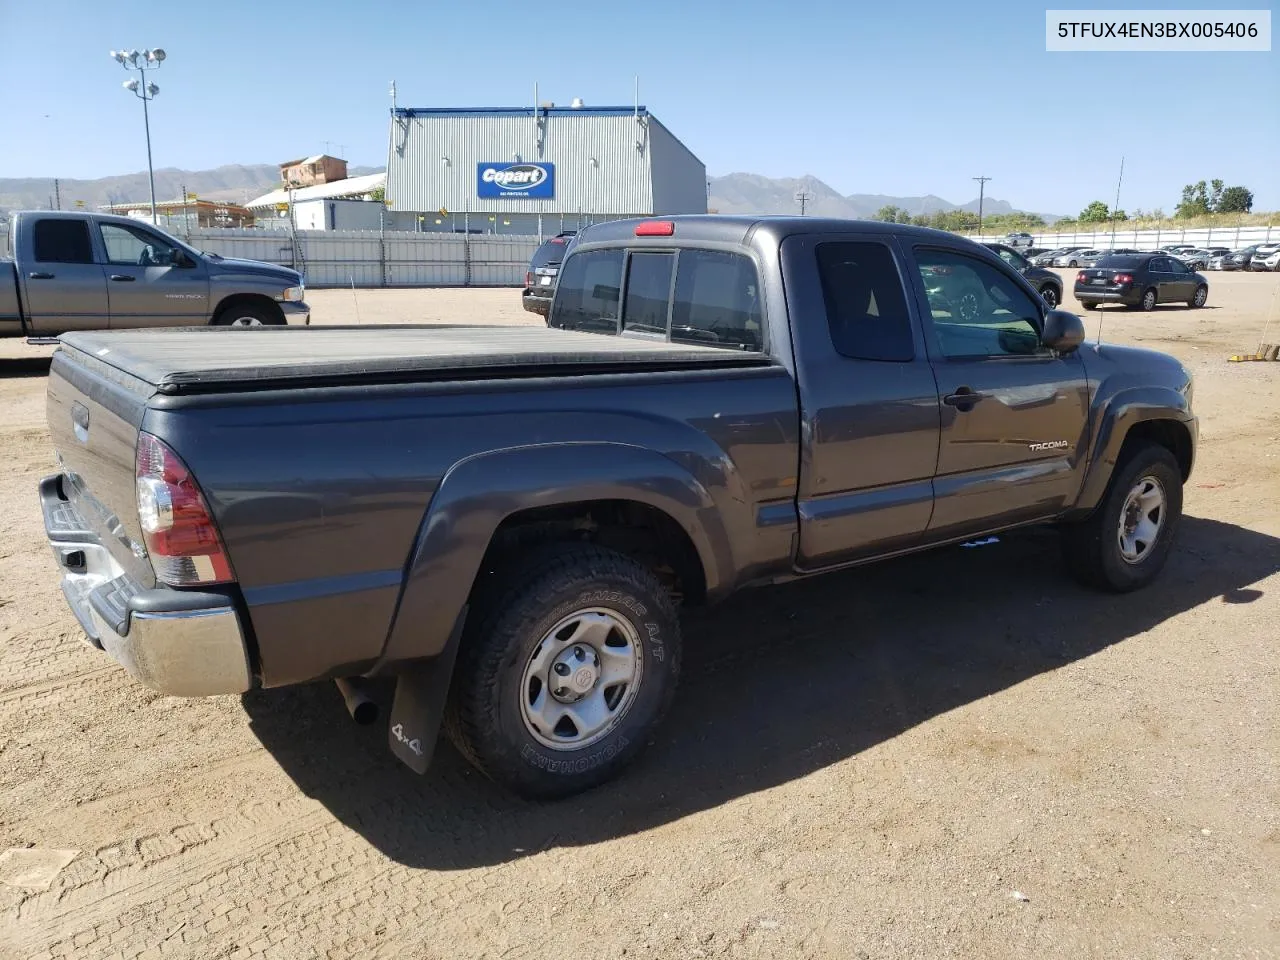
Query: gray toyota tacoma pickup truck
point(90, 271)
point(507, 519)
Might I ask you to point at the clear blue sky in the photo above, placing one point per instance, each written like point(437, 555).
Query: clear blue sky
point(899, 98)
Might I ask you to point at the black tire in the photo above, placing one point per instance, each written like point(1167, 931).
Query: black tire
point(485, 717)
point(1092, 546)
point(1199, 298)
point(1072, 264)
point(1089, 304)
point(1051, 296)
point(1149, 299)
point(251, 315)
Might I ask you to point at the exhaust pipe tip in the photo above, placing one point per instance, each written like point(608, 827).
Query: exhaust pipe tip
point(363, 710)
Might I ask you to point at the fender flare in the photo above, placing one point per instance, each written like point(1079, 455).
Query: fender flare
point(479, 493)
point(1116, 417)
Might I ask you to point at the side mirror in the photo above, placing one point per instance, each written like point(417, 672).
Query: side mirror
point(1063, 332)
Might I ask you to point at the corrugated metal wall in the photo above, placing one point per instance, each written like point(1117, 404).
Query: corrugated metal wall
point(341, 258)
point(619, 183)
point(679, 178)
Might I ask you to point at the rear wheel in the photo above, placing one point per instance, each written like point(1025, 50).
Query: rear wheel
point(251, 315)
point(563, 680)
point(1200, 296)
point(1073, 264)
point(1125, 542)
point(1149, 299)
point(1089, 304)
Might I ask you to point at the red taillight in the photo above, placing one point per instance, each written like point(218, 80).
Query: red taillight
point(528, 279)
point(655, 228)
point(1081, 277)
point(181, 537)
point(1122, 278)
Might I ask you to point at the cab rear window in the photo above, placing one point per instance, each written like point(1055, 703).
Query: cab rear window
point(714, 300)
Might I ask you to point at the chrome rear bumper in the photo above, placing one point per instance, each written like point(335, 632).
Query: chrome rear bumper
point(178, 642)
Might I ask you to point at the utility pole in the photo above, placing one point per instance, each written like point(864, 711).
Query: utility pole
point(803, 198)
point(57, 195)
point(982, 189)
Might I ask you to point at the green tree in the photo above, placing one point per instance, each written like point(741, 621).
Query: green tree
point(1195, 201)
point(1235, 200)
point(891, 214)
point(1215, 194)
point(1095, 212)
point(378, 194)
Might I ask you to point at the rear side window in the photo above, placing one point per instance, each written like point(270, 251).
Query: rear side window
point(717, 301)
point(648, 292)
point(866, 305)
point(587, 296)
point(551, 251)
point(62, 241)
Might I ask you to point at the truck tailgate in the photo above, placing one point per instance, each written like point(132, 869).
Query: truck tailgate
point(94, 413)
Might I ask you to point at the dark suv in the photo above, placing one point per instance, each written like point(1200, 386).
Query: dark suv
point(1045, 281)
point(540, 280)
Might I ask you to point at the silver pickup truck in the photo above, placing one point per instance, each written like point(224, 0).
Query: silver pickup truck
point(87, 271)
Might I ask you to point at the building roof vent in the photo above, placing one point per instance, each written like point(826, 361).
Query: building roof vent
point(577, 103)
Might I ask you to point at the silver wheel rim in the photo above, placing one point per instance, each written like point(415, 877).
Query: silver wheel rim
point(1148, 300)
point(1050, 297)
point(1141, 520)
point(1201, 295)
point(581, 679)
point(245, 322)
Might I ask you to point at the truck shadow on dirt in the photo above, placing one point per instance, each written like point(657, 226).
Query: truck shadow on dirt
point(777, 683)
point(12, 367)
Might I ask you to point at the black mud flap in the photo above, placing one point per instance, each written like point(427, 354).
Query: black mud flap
point(421, 692)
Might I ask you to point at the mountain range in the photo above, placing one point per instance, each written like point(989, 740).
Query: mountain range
point(235, 183)
point(752, 193)
point(732, 193)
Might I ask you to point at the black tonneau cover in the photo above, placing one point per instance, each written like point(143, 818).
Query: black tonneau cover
point(195, 360)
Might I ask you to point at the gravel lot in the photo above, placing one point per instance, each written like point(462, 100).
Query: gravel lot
point(865, 765)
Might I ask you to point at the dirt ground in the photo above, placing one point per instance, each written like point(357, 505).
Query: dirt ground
point(960, 754)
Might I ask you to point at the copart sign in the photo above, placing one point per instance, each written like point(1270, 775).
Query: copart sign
point(515, 181)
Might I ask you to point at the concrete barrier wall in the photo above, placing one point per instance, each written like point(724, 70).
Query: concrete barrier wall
point(343, 258)
point(330, 258)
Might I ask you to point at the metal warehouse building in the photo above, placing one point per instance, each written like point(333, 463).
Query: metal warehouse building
point(527, 170)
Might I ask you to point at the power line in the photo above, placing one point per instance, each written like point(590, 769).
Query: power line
point(803, 198)
point(982, 185)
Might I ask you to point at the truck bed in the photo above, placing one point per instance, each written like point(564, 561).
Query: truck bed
point(199, 360)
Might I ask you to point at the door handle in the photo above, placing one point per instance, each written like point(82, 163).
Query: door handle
point(963, 398)
point(40, 276)
point(122, 278)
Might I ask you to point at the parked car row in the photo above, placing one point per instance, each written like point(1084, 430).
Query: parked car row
point(1259, 256)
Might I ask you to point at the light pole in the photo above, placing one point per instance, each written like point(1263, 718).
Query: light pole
point(144, 91)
